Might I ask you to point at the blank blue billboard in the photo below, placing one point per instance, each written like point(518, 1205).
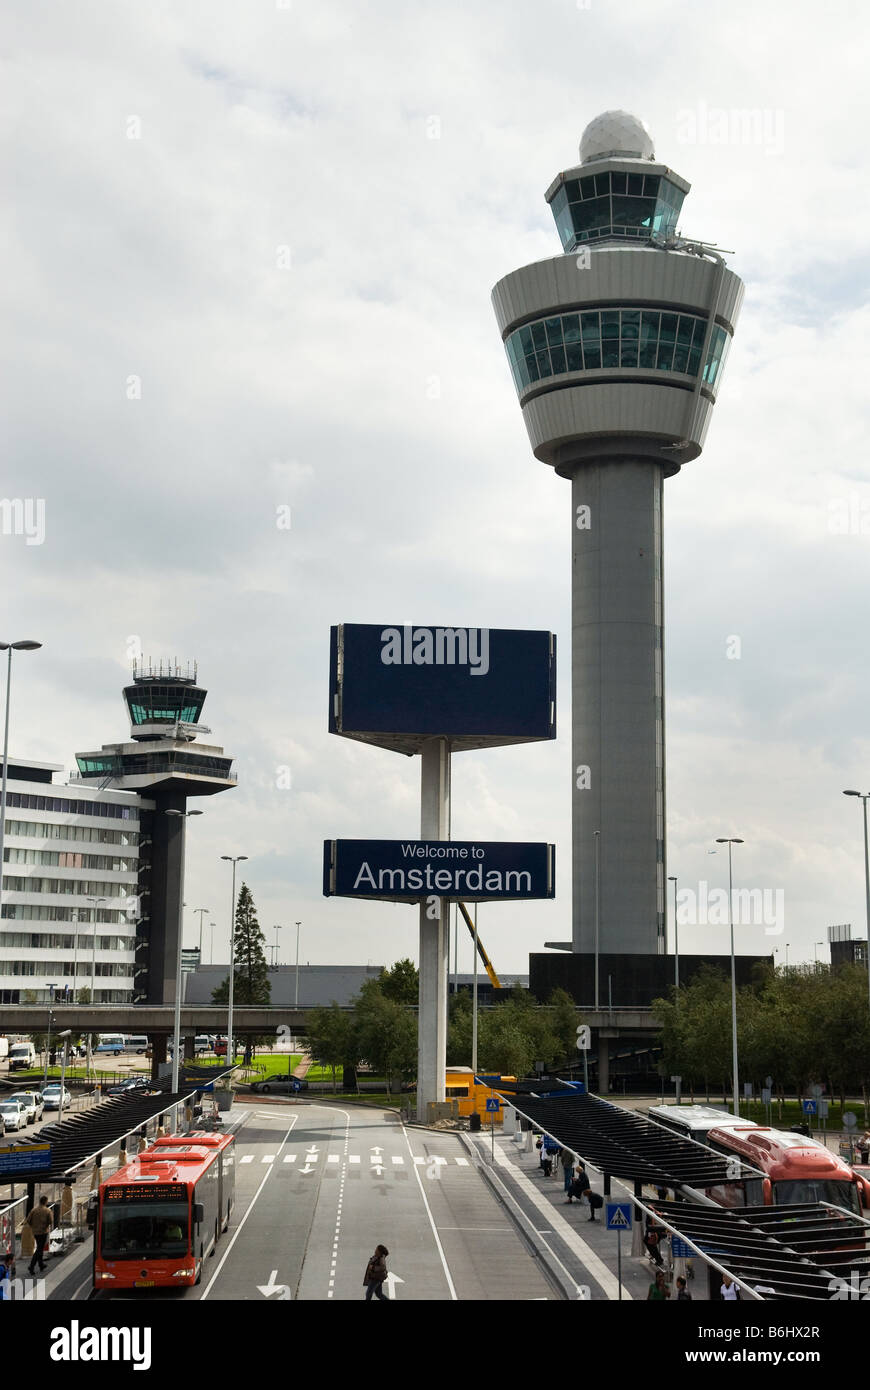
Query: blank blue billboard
point(398, 685)
point(410, 870)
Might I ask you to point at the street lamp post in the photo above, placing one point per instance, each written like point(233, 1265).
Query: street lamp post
point(211, 943)
point(10, 647)
point(736, 1102)
point(201, 911)
point(234, 860)
point(94, 948)
point(278, 927)
point(176, 1028)
point(75, 922)
point(816, 945)
point(296, 1002)
point(48, 1041)
point(864, 796)
point(597, 836)
point(672, 879)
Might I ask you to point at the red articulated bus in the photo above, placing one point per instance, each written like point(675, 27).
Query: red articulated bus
point(794, 1168)
point(161, 1215)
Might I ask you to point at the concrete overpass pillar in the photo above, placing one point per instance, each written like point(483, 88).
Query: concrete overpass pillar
point(158, 1054)
point(603, 1063)
point(189, 1052)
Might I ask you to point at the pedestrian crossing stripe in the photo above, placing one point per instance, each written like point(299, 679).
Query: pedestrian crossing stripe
point(377, 1160)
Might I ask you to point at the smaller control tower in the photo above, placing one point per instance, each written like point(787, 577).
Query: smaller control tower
point(166, 764)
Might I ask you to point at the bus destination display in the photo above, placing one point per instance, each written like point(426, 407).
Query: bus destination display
point(147, 1192)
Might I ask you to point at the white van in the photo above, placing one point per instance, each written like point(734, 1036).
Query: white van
point(136, 1043)
point(21, 1056)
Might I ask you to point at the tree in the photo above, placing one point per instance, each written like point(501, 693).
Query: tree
point(386, 1034)
point(563, 1021)
point(251, 984)
point(401, 983)
point(329, 1035)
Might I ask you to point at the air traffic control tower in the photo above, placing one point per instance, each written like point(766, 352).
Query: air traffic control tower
point(617, 349)
point(165, 764)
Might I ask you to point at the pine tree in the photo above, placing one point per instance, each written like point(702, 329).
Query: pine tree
point(251, 974)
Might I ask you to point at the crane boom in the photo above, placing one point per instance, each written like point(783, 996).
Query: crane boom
point(490, 968)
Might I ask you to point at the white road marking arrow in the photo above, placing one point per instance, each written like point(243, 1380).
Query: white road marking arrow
point(391, 1281)
point(376, 1150)
point(306, 1169)
point(282, 1290)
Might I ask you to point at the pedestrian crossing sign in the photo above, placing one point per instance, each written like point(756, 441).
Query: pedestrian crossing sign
point(619, 1216)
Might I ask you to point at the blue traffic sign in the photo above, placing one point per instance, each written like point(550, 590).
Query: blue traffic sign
point(493, 1104)
point(297, 1085)
point(24, 1158)
point(618, 1216)
point(810, 1107)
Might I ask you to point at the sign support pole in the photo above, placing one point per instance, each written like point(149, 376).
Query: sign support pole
point(434, 932)
point(619, 1261)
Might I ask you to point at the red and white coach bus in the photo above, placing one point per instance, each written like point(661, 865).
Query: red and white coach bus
point(793, 1168)
point(161, 1215)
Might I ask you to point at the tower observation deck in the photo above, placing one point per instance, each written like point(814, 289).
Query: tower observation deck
point(617, 349)
point(165, 763)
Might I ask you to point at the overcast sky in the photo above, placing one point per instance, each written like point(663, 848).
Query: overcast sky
point(247, 264)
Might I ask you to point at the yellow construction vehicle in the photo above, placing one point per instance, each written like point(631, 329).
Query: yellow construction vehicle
point(490, 968)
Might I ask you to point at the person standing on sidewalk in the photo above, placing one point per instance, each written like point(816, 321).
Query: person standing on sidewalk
point(566, 1158)
point(376, 1274)
point(40, 1222)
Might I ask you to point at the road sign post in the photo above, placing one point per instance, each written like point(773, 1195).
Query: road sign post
point(492, 1106)
point(619, 1219)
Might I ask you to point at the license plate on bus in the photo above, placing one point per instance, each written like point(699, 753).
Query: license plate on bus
point(144, 1284)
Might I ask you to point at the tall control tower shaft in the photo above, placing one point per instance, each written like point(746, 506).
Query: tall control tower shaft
point(617, 349)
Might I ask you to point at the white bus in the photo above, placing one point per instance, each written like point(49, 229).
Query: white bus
point(693, 1121)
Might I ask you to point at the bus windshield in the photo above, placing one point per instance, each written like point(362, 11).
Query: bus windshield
point(144, 1230)
point(843, 1194)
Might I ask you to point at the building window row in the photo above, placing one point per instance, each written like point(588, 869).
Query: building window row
point(57, 830)
point(24, 801)
point(81, 887)
point(44, 941)
point(69, 859)
point(30, 912)
point(613, 338)
point(105, 969)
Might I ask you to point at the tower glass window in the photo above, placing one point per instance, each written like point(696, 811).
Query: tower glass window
point(616, 206)
point(613, 339)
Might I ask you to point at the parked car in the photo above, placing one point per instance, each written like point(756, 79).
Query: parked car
point(27, 1101)
point(13, 1115)
point(51, 1095)
point(135, 1084)
point(279, 1085)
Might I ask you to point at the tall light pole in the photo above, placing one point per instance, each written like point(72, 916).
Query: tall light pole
point(176, 1030)
point(816, 945)
point(10, 647)
point(211, 943)
point(597, 835)
point(94, 948)
point(51, 989)
point(672, 879)
point(234, 860)
point(864, 796)
point(296, 1003)
point(75, 922)
point(201, 911)
point(736, 1102)
point(276, 928)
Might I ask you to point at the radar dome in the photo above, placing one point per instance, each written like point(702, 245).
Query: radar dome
point(616, 133)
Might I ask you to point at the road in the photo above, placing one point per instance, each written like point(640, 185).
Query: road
point(318, 1186)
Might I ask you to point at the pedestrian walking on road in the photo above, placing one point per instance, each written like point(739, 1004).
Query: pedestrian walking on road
point(376, 1274)
point(40, 1222)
